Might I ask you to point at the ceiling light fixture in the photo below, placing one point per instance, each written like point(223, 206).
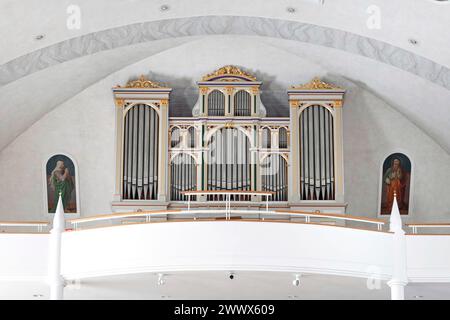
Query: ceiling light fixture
point(38, 295)
point(164, 7)
point(417, 297)
point(39, 37)
point(290, 9)
point(413, 41)
point(296, 281)
point(161, 280)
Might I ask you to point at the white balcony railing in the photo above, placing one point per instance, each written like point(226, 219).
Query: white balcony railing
point(416, 226)
point(227, 214)
point(39, 225)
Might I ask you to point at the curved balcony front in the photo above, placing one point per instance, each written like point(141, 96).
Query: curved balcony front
point(226, 245)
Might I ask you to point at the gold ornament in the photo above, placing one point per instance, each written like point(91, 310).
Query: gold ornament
point(317, 84)
point(120, 102)
point(229, 71)
point(143, 82)
point(294, 103)
point(337, 103)
point(229, 90)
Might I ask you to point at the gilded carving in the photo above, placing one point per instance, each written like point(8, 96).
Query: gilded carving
point(294, 103)
point(337, 103)
point(316, 84)
point(229, 90)
point(229, 71)
point(143, 82)
point(120, 102)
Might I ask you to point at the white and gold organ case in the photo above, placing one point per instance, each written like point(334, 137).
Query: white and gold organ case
point(229, 143)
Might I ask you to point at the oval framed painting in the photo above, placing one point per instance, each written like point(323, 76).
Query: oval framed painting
point(395, 179)
point(61, 177)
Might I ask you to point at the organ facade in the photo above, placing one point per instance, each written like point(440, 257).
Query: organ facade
point(229, 143)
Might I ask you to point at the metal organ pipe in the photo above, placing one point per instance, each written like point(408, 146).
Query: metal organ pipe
point(317, 154)
point(140, 157)
point(228, 165)
point(216, 103)
point(282, 138)
point(274, 176)
point(242, 103)
point(183, 176)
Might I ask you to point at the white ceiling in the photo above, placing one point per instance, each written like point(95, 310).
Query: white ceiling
point(217, 285)
point(33, 94)
point(424, 20)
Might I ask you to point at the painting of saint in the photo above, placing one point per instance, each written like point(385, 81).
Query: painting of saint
point(60, 172)
point(396, 179)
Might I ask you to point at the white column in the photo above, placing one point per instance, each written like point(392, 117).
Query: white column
point(163, 150)
point(338, 152)
point(294, 174)
point(229, 101)
point(257, 157)
point(55, 279)
point(397, 289)
point(275, 139)
point(120, 104)
point(399, 276)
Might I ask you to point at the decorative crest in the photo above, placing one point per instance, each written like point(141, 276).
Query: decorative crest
point(317, 84)
point(229, 73)
point(143, 82)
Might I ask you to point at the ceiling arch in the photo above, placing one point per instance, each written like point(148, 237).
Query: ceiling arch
point(284, 63)
point(224, 25)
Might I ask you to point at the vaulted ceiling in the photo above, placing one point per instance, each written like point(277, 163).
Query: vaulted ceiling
point(38, 75)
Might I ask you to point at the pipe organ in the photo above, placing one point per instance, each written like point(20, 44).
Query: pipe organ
point(229, 143)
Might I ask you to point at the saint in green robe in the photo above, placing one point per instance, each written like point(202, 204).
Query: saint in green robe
point(61, 183)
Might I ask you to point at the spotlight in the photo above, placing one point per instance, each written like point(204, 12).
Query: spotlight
point(164, 7)
point(39, 37)
point(161, 280)
point(296, 281)
point(290, 9)
point(413, 41)
point(231, 276)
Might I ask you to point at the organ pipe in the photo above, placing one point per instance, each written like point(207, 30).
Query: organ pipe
point(228, 163)
point(242, 103)
point(140, 155)
point(216, 103)
point(183, 176)
point(274, 177)
point(316, 154)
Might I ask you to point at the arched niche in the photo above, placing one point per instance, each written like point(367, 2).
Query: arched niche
point(61, 176)
point(396, 178)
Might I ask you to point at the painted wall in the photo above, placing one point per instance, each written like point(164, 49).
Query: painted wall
point(84, 127)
